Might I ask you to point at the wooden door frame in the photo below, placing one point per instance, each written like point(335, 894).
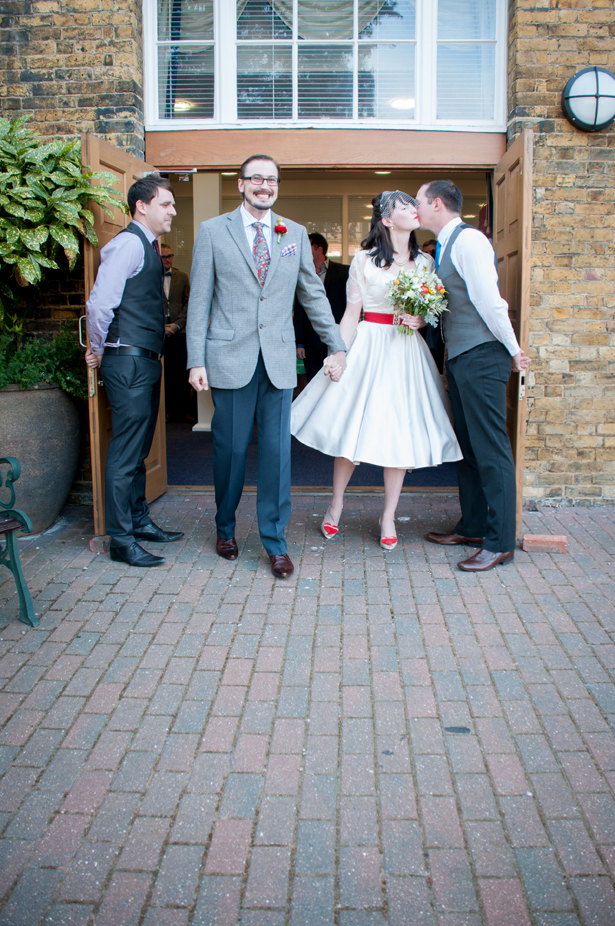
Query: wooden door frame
point(521, 150)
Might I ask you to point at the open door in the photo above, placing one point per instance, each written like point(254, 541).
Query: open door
point(100, 155)
point(512, 240)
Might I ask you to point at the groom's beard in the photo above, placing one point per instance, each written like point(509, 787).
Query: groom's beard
point(256, 203)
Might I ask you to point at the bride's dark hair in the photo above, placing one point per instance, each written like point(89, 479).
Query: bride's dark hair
point(378, 242)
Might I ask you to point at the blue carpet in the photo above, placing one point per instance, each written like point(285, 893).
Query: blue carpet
point(190, 454)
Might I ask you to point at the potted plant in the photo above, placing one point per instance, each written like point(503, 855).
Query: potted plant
point(45, 193)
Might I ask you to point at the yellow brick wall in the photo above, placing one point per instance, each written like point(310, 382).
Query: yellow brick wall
point(76, 65)
point(571, 428)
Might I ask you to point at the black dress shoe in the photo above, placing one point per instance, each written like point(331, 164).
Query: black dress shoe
point(227, 548)
point(155, 534)
point(281, 565)
point(135, 555)
point(484, 560)
point(452, 538)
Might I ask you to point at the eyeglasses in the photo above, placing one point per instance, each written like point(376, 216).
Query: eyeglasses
point(257, 180)
point(166, 256)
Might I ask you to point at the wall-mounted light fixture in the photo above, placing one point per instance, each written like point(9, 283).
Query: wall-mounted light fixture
point(588, 99)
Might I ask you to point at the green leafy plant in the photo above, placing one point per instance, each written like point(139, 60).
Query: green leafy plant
point(29, 361)
point(45, 199)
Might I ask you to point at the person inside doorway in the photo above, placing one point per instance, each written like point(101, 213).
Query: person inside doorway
point(430, 247)
point(389, 408)
point(334, 276)
point(180, 398)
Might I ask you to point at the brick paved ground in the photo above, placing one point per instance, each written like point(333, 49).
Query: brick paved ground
point(381, 739)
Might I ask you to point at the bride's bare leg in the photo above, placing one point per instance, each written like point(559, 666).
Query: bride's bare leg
point(342, 471)
point(393, 481)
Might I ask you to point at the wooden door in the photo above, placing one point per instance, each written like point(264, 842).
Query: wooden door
point(512, 240)
point(100, 155)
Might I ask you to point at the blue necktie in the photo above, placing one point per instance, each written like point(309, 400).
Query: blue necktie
point(438, 249)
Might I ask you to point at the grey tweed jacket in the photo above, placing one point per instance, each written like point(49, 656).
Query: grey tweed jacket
point(231, 317)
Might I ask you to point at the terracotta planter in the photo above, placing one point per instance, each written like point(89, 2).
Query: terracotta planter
point(41, 428)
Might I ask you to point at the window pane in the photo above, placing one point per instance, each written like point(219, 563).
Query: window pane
point(386, 81)
point(466, 77)
point(466, 19)
point(393, 19)
point(257, 19)
point(322, 20)
point(186, 19)
point(186, 81)
point(359, 218)
point(325, 82)
point(264, 82)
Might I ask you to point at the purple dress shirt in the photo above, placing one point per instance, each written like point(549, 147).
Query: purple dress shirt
point(120, 260)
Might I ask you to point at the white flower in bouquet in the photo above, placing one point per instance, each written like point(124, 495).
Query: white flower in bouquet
point(417, 292)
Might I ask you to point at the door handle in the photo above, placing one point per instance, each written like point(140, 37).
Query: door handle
point(521, 395)
point(82, 340)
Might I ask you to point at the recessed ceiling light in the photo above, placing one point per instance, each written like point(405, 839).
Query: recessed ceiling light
point(470, 215)
point(402, 102)
point(182, 106)
point(229, 173)
point(383, 172)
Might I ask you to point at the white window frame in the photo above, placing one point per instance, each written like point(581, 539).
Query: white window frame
point(225, 79)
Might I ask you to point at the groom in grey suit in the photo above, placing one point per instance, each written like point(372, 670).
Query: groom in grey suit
point(241, 342)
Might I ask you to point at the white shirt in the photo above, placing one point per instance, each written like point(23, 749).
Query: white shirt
point(472, 257)
point(248, 224)
point(120, 260)
point(167, 283)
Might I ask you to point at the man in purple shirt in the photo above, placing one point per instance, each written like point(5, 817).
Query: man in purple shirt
point(125, 319)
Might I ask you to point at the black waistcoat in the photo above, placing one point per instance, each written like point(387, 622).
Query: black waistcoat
point(139, 318)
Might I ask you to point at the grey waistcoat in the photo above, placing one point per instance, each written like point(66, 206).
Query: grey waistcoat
point(139, 318)
point(462, 326)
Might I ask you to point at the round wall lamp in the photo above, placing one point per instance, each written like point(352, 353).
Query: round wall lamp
point(588, 99)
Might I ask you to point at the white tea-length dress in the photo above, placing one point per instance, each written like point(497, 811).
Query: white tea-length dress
point(390, 407)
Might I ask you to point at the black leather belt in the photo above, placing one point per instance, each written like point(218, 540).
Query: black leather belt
point(133, 352)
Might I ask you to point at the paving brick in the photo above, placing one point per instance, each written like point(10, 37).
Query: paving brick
point(360, 878)
point(503, 902)
point(177, 879)
point(124, 899)
point(144, 844)
point(229, 847)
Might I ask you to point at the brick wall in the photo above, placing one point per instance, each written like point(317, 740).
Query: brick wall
point(571, 430)
point(76, 65)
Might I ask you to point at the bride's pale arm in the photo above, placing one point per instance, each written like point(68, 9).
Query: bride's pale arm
point(349, 322)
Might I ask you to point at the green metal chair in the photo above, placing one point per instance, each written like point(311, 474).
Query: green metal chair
point(12, 520)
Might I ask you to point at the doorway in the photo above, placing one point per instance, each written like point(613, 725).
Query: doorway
point(336, 203)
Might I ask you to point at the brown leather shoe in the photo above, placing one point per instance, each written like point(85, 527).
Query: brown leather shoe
point(227, 548)
point(453, 538)
point(484, 560)
point(281, 565)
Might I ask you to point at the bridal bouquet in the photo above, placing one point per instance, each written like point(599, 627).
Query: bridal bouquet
point(417, 292)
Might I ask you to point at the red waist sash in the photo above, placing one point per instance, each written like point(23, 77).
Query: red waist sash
point(380, 318)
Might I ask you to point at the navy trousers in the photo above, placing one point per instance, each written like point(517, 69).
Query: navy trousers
point(133, 389)
point(487, 483)
point(231, 430)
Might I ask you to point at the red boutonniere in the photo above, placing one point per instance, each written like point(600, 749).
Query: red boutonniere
point(280, 229)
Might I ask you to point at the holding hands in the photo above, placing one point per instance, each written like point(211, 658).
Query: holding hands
point(334, 366)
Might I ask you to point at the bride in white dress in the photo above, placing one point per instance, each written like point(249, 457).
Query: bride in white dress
point(389, 408)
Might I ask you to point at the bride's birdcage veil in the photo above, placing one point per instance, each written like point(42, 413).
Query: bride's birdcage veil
point(386, 202)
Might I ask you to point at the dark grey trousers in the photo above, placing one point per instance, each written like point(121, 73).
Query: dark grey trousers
point(133, 388)
point(487, 485)
point(231, 430)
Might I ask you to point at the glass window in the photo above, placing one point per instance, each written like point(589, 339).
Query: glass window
point(466, 59)
point(264, 82)
point(325, 82)
point(327, 61)
point(186, 81)
point(185, 68)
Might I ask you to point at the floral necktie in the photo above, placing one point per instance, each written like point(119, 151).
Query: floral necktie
point(260, 252)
